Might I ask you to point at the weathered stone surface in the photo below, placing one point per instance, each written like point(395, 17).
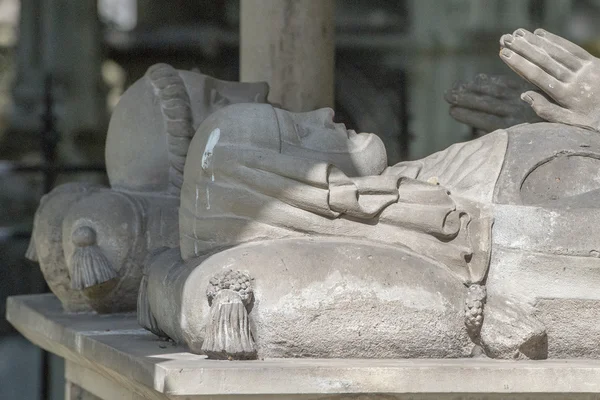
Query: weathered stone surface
point(564, 71)
point(147, 142)
point(320, 297)
point(510, 332)
point(549, 164)
point(121, 355)
point(547, 260)
point(144, 135)
point(255, 173)
point(258, 232)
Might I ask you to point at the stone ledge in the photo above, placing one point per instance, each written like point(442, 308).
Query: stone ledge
point(116, 348)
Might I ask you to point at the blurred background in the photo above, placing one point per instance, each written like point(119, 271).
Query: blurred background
point(64, 64)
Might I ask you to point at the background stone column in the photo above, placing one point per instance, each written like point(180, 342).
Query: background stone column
point(290, 45)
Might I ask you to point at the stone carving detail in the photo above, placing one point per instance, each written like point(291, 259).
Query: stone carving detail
point(338, 242)
point(473, 248)
point(236, 281)
point(90, 265)
point(564, 71)
point(228, 333)
point(474, 304)
point(92, 242)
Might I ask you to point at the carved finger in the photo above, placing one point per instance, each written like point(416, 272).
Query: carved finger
point(558, 53)
point(550, 111)
point(565, 44)
point(533, 73)
point(520, 44)
point(481, 102)
point(496, 86)
point(508, 82)
point(478, 119)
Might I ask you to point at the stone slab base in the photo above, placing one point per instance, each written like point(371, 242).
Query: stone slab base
point(110, 357)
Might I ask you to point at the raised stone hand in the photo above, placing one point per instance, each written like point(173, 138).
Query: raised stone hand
point(564, 71)
point(490, 102)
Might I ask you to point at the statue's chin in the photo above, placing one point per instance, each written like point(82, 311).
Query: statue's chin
point(370, 159)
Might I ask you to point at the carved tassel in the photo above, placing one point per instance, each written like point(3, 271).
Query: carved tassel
point(31, 253)
point(144, 314)
point(90, 267)
point(228, 333)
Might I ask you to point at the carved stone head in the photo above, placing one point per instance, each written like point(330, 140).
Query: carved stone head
point(257, 171)
point(100, 238)
point(156, 118)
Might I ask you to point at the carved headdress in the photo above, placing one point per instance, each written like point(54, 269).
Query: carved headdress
point(151, 129)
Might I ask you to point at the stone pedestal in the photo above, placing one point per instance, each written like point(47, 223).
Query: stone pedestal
point(110, 357)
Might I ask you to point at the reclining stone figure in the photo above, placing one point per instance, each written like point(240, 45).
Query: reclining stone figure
point(298, 241)
point(264, 233)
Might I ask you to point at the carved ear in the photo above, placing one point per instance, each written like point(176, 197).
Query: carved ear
point(90, 267)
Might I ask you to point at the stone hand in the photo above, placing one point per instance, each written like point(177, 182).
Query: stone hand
point(490, 102)
point(564, 71)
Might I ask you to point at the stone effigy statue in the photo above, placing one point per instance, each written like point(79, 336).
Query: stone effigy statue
point(270, 184)
point(297, 240)
point(91, 242)
point(255, 232)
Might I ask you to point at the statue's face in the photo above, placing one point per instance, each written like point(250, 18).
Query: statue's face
point(315, 135)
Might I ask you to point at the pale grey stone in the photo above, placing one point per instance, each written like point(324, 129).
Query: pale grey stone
point(270, 192)
point(255, 232)
point(564, 71)
point(297, 191)
point(112, 357)
point(320, 297)
point(511, 332)
point(91, 242)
